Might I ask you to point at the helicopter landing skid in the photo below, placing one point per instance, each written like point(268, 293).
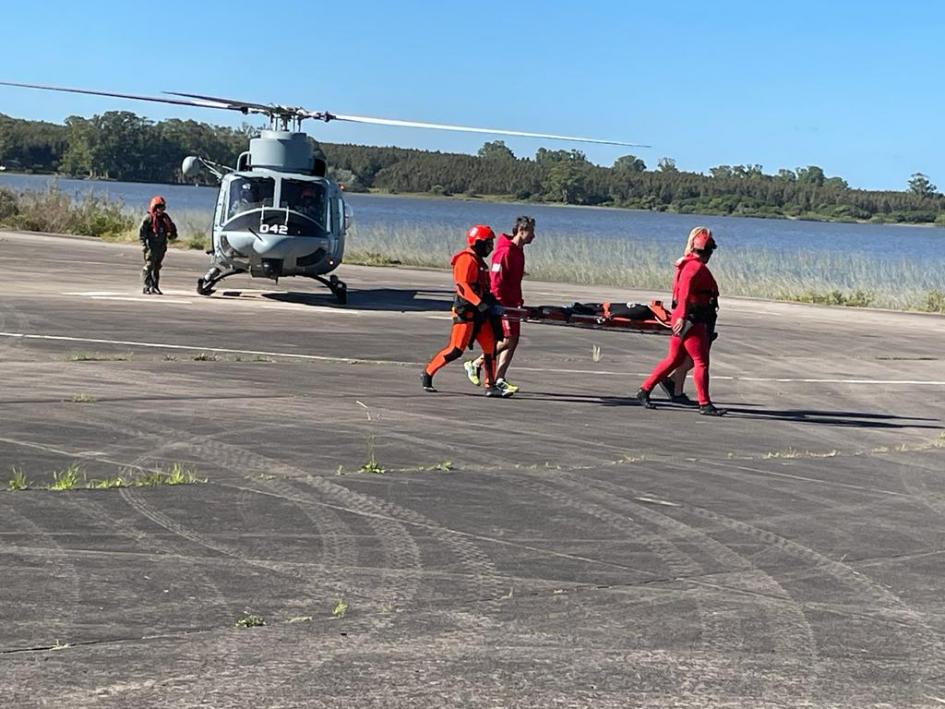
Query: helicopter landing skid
point(205, 285)
point(338, 287)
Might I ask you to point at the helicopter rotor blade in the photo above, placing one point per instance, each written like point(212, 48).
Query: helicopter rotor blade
point(200, 101)
point(237, 105)
point(135, 97)
point(445, 126)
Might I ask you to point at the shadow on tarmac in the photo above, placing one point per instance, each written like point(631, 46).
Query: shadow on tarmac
point(378, 299)
point(835, 418)
point(829, 418)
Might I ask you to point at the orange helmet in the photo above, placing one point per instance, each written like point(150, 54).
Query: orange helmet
point(480, 232)
point(156, 201)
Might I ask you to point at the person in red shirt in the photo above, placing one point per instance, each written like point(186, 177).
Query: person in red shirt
point(505, 281)
point(696, 295)
point(473, 310)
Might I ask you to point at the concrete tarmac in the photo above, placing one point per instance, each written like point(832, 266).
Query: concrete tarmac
point(562, 548)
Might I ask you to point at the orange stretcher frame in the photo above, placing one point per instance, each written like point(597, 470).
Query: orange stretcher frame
point(557, 315)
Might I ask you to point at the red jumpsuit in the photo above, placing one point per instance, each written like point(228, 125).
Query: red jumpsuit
point(471, 317)
point(695, 294)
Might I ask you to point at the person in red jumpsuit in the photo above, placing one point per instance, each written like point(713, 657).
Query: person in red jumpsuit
point(675, 383)
point(696, 295)
point(474, 310)
point(508, 269)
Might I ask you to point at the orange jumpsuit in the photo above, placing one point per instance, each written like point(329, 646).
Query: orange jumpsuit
point(471, 316)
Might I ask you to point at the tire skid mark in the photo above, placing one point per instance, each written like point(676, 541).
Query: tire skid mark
point(65, 568)
point(924, 638)
point(914, 481)
point(733, 470)
point(340, 555)
point(200, 578)
point(384, 518)
point(489, 587)
point(716, 635)
point(400, 551)
point(215, 452)
point(387, 519)
point(332, 531)
point(793, 635)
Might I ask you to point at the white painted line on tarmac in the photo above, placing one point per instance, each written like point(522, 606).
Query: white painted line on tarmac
point(141, 299)
point(402, 363)
point(197, 348)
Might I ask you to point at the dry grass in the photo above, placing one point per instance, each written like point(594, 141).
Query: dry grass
point(806, 276)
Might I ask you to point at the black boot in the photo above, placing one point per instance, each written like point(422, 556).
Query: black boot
point(643, 396)
point(154, 288)
point(711, 410)
point(426, 381)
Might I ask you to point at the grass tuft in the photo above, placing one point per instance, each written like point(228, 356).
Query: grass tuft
point(206, 357)
point(249, 620)
point(18, 481)
point(177, 475)
point(67, 479)
point(82, 399)
point(98, 357)
point(372, 466)
point(340, 609)
point(107, 483)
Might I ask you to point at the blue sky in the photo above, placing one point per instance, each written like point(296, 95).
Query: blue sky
point(854, 87)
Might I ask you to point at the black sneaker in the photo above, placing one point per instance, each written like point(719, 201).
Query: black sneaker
point(643, 396)
point(156, 291)
point(146, 290)
point(669, 387)
point(426, 381)
point(711, 410)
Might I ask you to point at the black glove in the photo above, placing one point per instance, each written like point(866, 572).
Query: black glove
point(483, 306)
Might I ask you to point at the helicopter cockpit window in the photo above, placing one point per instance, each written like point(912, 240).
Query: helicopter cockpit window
point(248, 193)
point(308, 199)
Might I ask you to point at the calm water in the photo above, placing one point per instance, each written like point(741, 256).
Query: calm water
point(454, 216)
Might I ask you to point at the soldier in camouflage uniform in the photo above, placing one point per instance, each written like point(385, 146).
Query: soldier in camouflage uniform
point(156, 229)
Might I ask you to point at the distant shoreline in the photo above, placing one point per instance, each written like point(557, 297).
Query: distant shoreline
point(509, 199)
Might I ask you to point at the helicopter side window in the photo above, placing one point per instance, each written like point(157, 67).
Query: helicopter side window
point(248, 193)
point(307, 198)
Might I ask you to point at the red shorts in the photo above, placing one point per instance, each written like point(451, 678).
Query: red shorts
point(511, 327)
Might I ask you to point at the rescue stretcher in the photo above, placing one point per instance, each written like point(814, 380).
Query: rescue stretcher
point(652, 318)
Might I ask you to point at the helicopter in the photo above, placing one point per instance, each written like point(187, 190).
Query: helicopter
point(277, 212)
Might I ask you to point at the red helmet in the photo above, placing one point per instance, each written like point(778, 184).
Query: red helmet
point(480, 232)
point(703, 241)
point(157, 200)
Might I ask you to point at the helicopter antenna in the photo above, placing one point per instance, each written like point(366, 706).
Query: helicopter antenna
point(286, 116)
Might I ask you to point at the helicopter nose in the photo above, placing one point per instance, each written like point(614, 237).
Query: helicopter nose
point(283, 247)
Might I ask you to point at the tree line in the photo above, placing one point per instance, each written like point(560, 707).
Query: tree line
point(122, 145)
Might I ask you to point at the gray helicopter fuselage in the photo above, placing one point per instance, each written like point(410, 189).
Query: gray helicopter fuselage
point(271, 223)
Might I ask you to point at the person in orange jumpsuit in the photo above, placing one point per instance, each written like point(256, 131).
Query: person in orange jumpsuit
point(696, 295)
point(475, 316)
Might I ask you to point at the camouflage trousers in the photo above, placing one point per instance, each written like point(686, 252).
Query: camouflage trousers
point(153, 258)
